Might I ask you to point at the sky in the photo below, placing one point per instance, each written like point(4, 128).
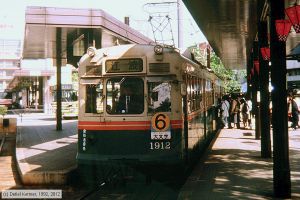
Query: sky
point(13, 13)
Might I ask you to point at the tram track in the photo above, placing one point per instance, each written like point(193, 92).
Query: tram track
point(156, 190)
point(2, 142)
point(116, 185)
point(9, 177)
point(135, 187)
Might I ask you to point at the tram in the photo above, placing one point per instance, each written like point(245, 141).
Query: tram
point(143, 105)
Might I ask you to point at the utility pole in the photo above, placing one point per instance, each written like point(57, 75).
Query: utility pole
point(180, 23)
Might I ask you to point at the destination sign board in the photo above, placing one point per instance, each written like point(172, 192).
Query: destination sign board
point(124, 65)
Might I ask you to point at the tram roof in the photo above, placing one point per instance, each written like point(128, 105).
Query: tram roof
point(231, 27)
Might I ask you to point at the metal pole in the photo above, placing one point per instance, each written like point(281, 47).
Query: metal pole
point(36, 93)
point(180, 23)
point(58, 80)
point(281, 166)
point(264, 93)
point(256, 103)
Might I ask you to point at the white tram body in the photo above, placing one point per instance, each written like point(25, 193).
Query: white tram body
point(143, 103)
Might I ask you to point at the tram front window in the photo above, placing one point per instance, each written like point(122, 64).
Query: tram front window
point(159, 97)
point(125, 95)
point(94, 98)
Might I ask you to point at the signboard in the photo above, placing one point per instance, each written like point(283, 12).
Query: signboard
point(63, 87)
point(124, 65)
point(160, 127)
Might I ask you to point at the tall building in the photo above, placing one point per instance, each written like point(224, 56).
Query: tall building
point(10, 54)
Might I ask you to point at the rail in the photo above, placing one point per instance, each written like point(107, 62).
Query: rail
point(2, 143)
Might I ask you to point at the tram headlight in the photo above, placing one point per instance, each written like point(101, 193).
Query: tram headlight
point(91, 51)
point(158, 49)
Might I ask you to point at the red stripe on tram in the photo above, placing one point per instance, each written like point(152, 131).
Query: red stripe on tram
point(122, 125)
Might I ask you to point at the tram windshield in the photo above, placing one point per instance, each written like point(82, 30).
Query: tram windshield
point(94, 98)
point(159, 97)
point(125, 95)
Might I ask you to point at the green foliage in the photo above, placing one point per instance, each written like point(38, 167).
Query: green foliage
point(232, 78)
point(197, 54)
point(23, 83)
point(75, 77)
point(75, 80)
point(3, 110)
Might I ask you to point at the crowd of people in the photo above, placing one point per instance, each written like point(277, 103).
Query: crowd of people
point(234, 109)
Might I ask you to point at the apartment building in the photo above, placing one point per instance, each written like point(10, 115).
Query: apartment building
point(10, 54)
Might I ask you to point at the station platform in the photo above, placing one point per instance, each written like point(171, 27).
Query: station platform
point(231, 169)
point(45, 156)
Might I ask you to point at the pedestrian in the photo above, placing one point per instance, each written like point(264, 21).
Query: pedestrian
point(235, 111)
point(249, 103)
point(219, 113)
point(245, 112)
point(293, 109)
point(229, 99)
point(225, 111)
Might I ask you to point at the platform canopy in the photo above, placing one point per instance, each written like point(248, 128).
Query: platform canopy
point(77, 26)
point(231, 27)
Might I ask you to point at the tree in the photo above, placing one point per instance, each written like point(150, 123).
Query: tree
point(3, 110)
point(232, 78)
point(23, 83)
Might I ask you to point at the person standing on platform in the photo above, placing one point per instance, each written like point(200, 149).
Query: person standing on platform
point(245, 112)
point(293, 108)
point(249, 102)
point(235, 111)
point(230, 118)
point(225, 112)
point(219, 113)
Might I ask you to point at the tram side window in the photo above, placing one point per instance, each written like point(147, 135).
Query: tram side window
point(209, 93)
point(159, 95)
point(190, 94)
point(198, 94)
point(94, 98)
point(125, 95)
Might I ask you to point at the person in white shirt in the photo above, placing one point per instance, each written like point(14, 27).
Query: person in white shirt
point(225, 111)
point(249, 103)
